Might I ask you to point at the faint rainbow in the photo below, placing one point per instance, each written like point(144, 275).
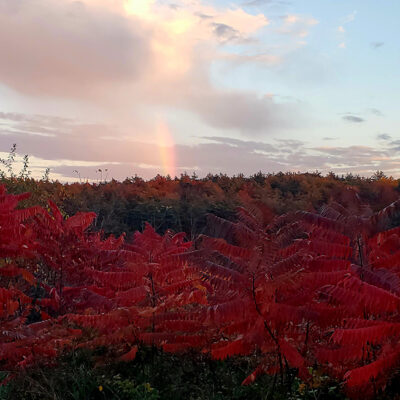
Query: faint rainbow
point(166, 147)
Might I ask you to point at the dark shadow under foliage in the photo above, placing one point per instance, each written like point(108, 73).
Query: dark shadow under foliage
point(155, 375)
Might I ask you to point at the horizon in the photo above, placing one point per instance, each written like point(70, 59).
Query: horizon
point(14, 168)
point(147, 87)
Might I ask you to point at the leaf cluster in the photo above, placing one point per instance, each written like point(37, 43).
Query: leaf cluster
point(293, 292)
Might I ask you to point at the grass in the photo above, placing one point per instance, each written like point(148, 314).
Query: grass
point(156, 375)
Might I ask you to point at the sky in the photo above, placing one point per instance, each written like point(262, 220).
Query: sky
point(101, 89)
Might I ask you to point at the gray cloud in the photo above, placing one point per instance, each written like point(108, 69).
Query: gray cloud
point(384, 136)
point(353, 118)
point(225, 32)
point(203, 16)
point(395, 146)
point(243, 111)
point(174, 6)
point(376, 112)
point(248, 145)
point(377, 45)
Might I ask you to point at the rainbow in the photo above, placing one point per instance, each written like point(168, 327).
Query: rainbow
point(166, 147)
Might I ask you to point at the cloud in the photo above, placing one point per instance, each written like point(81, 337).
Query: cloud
point(225, 32)
point(100, 146)
point(363, 160)
point(297, 25)
point(376, 112)
point(359, 117)
point(358, 151)
point(291, 144)
point(129, 58)
point(353, 118)
point(248, 145)
point(68, 49)
point(203, 16)
point(88, 147)
point(242, 111)
point(270, 3)
point(349, 18)
point(376, 45)
point(395, 146)
point(384, 136)
point(342, 30)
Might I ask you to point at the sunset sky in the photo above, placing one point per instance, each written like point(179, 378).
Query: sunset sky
point(145, 86)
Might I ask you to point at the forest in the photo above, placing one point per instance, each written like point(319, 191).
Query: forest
point(274, 286)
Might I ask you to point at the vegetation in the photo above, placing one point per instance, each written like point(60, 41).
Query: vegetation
point(258, 304)
point(157, 375)
point(181, 204)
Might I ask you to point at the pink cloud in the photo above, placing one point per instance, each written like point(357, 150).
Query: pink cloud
point(130, 61)
point(61, 48)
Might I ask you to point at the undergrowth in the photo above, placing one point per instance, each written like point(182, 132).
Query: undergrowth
point(155, 375)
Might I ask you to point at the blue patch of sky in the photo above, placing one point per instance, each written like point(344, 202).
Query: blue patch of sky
point(332, 79)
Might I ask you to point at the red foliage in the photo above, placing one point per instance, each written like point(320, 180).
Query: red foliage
point(294, 291)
